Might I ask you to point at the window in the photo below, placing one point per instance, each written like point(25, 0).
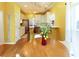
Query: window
point(50, 18)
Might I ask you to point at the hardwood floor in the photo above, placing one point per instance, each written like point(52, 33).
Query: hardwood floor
point(7, 50)
point(34, 49)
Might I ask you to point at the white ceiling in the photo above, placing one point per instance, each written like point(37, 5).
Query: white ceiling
point(35, 7)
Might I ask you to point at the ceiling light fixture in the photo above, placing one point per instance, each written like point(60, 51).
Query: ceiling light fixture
point(25, 6)
point(46, 5)
point(34, 12)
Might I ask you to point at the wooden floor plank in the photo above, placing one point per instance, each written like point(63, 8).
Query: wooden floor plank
point(34, 49)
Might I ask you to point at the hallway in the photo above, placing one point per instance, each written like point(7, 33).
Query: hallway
point(22, 22)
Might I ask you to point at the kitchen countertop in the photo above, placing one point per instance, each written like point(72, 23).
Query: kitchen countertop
point(51, 26)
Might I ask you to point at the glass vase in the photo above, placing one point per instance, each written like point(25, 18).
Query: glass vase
point(44, 41)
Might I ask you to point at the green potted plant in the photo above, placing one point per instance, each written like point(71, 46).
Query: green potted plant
point(45, 29)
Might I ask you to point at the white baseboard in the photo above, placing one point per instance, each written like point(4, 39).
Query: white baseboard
point(7, 42)
point(17, 55)
point(68, 45)
point(2, 42)
point(10, 43)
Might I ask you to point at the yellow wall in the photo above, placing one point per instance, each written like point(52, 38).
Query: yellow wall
point(60, 12)
point(10, 9)
point(9, 15)
point(3, 8)
point(13, 9)
point(5, 23)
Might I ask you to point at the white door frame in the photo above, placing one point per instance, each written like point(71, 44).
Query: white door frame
point(71, 37)
point(1, 28)
point(75, 37)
